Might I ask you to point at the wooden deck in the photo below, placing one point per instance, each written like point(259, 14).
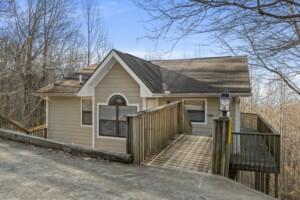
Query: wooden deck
point(187, 153)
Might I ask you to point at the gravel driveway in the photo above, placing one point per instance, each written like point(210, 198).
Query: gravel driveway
point(29, 172)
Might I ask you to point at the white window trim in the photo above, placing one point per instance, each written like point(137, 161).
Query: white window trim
point(83, 125)
point(93, 118)
point(205, 114)
point(47, 116)
point(106, 104)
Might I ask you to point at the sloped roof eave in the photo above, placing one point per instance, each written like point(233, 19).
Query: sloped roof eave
point(240, 94)
point(43, 94)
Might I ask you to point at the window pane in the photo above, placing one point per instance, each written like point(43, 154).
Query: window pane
point(122, 129)
point(112, 125)
point(195, 109)
point(125, 110)
point(196, 116)
point(107, 128)
point(107, 112)
point(87, 112)
point(86, 118)
point(117, 100)
point(87, 105)
point(194, 104)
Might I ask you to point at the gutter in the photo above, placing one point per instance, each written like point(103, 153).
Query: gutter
point(199, 94)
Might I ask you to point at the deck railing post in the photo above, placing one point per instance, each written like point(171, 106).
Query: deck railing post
point(180, 121)
point(133, 138)
point(221, 147)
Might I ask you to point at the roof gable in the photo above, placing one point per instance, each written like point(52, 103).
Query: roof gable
point(99, 73)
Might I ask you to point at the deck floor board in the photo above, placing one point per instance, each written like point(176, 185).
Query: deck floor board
point(188, 153)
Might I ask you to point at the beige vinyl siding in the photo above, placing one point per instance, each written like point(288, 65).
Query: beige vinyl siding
point(117, 80)
point(212, 113)
point(64, 122)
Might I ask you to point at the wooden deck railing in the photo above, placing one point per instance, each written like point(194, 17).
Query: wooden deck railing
point(258, 151)
point(39, 131)
point(9, 124)
point(268, 134)
point(5, 123)
point(150, 131)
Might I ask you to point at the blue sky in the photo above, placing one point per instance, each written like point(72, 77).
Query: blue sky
point(124, 22)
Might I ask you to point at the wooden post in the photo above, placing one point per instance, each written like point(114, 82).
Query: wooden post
point(221, 147)
point(133, 138)
point(267, 183)
point(257, 181)
point(276, 185)
point(262, 182)
point(180, 121)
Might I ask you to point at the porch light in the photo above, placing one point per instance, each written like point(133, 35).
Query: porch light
point(225, 100)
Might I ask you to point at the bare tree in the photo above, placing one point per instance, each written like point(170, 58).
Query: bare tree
point(267, 31)
point(34, 33)
point(97, 43)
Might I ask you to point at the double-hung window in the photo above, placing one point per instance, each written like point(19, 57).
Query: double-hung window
point(86, 109)
point(196, 110)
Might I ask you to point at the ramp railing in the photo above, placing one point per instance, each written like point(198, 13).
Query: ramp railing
point(152, 130)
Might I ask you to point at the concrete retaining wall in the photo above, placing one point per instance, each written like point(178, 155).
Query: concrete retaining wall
point(46, 143)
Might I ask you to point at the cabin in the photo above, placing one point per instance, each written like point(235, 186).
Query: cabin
point(147, 109)
point(88, 108)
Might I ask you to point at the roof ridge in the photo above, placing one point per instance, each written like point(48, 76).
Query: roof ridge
point(177, 59)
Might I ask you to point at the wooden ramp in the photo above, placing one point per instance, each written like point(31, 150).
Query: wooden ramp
point(187, 152)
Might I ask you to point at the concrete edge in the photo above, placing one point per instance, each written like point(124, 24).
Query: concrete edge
point(46, 143)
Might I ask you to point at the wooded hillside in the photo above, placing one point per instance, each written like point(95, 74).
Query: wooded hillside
point(41, 41)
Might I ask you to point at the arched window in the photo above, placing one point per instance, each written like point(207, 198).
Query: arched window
point(112, 117)
point(117, 100)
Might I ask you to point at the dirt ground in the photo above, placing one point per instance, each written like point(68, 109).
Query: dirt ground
point(29, 172)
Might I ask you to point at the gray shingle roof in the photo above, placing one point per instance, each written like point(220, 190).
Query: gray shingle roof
point(69, 85)
point(210, 75)
point(148, 72)
point(199, 75)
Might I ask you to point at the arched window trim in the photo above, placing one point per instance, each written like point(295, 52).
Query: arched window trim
point(117, 93)
point(117, 100)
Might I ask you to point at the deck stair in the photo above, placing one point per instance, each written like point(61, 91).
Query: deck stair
point(9, 124)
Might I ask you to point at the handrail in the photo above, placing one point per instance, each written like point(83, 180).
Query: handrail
point(259, 117)
point(170, 105)
point(40, 131)
point(12, 125)
point(37, 128)
point(253, 133)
